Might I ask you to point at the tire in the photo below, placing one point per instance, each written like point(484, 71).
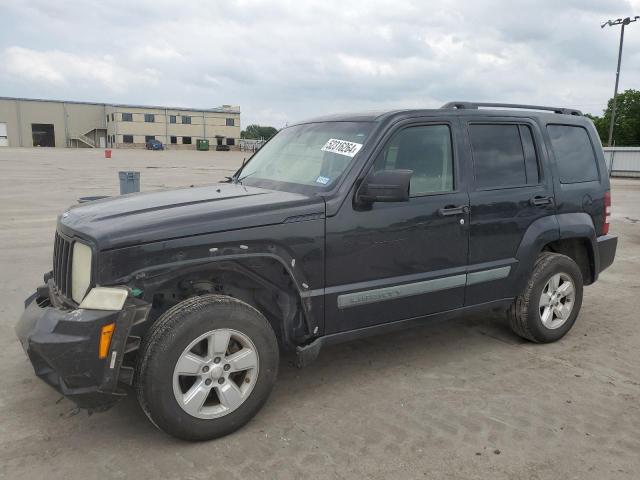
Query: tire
point(529, 314)
point(163, 391)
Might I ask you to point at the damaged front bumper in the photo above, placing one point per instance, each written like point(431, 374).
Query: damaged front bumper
point(63, 344)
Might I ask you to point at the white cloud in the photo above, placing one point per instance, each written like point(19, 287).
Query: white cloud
point(283, 60)
point(55, 68)
point(365, 66)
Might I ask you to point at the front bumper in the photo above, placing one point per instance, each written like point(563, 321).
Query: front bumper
point(62, 346)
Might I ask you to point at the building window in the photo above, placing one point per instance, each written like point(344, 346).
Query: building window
point(174, 140)
point(172, 119)
point(186, 119)
point(186, 140)
point(107, 118)
point(231, 141)
point(127, 117)
point(231, 122)
point(113, 117)
point(148, 138)
point(127, 138)
point(149, 117)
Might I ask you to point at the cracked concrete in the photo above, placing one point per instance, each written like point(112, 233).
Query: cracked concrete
point(460, 399)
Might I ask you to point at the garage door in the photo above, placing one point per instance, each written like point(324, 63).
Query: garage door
point(4, 141)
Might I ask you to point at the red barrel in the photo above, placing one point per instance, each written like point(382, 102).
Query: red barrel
point(107, 153)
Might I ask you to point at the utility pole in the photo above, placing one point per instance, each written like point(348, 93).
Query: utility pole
point(610, 23)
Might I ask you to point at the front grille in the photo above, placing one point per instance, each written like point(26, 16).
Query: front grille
point(62, 264)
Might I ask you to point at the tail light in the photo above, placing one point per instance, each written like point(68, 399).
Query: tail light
point(607, 212)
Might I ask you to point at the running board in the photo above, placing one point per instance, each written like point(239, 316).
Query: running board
point(306, 354)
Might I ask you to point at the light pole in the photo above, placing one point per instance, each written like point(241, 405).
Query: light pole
point(624, 22)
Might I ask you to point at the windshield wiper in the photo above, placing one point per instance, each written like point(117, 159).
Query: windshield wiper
point(239, 180)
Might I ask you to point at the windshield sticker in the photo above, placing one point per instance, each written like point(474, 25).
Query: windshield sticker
point(323, 180)
point(341, 147)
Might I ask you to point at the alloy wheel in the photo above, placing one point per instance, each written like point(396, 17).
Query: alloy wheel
point(556, 301)
point(216, 373)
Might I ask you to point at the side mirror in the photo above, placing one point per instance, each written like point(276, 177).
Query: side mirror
point(385, 186)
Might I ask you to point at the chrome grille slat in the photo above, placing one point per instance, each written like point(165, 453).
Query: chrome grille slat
point(67, 279)
point(62, 265)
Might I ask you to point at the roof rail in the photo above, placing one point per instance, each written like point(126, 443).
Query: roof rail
point(475, 105)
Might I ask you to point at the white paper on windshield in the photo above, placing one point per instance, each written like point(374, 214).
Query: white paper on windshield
point(341, 147)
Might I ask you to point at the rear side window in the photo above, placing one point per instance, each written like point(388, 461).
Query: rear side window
point(504, 155)
point(574, 154)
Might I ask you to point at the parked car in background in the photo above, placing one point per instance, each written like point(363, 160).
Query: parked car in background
point(154, 145)
point(337, 228)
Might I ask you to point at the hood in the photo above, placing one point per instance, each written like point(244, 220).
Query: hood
point(161, 215)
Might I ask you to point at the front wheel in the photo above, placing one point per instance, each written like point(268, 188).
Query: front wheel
point(549, 305)
point(206, 367)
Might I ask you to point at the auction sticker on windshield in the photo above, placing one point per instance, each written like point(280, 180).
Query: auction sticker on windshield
point(341, 147)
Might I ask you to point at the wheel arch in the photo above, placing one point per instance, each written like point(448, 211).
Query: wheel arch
point(580, 250)
point(263, 280)
point(571, 234)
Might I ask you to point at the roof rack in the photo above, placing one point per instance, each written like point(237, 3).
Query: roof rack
point(475, 105)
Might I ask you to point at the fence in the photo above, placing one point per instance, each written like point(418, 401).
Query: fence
point(623, 161)
point(251, 145)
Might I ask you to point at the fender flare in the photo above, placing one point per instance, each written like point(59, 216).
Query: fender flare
point(151, 278)
point(580, 225)
point(541, 232)
point(548, 229)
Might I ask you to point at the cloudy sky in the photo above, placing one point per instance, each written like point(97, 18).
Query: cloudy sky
point(282, 60)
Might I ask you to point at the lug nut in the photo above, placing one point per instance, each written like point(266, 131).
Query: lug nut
point(205, 369)
point(207, 381)
point(227, 367)
point(221, 380)
point(216, 360)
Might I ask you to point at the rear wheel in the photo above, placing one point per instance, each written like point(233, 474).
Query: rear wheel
point(550, 303)
point(207, 366)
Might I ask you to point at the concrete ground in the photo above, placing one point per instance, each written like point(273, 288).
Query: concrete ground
point(462, 399)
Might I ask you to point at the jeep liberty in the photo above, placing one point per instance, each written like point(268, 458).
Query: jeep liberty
point(337, 228)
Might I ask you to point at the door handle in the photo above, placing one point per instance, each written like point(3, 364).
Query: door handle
point(540, 201)
point(453, 210)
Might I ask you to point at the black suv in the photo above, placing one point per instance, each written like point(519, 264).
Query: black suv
point(337, 228)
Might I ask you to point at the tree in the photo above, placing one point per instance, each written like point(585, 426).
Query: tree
point(257, 132)
point(626, 129)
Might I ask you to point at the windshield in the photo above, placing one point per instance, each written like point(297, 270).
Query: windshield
point(308, 155)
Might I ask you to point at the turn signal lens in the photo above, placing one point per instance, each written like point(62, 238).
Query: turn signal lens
point(105, 339)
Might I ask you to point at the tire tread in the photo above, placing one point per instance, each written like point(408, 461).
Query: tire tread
point(518, 313)
point(161, 330)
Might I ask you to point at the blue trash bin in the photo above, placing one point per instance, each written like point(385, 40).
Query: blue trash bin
point(129, 182)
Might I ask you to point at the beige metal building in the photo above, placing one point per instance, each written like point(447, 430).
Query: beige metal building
point(50, 123)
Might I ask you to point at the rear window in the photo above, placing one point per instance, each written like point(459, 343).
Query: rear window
point(574, 154)
point(503, 155)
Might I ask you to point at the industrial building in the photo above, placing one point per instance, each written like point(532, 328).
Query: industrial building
point(51, 123)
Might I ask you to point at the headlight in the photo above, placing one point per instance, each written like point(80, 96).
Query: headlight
point(80, 271)
point(105, 298)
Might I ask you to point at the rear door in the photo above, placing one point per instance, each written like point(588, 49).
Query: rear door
point(511, 189)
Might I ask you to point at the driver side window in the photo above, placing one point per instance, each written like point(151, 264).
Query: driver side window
point(427, 151)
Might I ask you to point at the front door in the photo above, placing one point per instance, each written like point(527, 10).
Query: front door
point(395, 261)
